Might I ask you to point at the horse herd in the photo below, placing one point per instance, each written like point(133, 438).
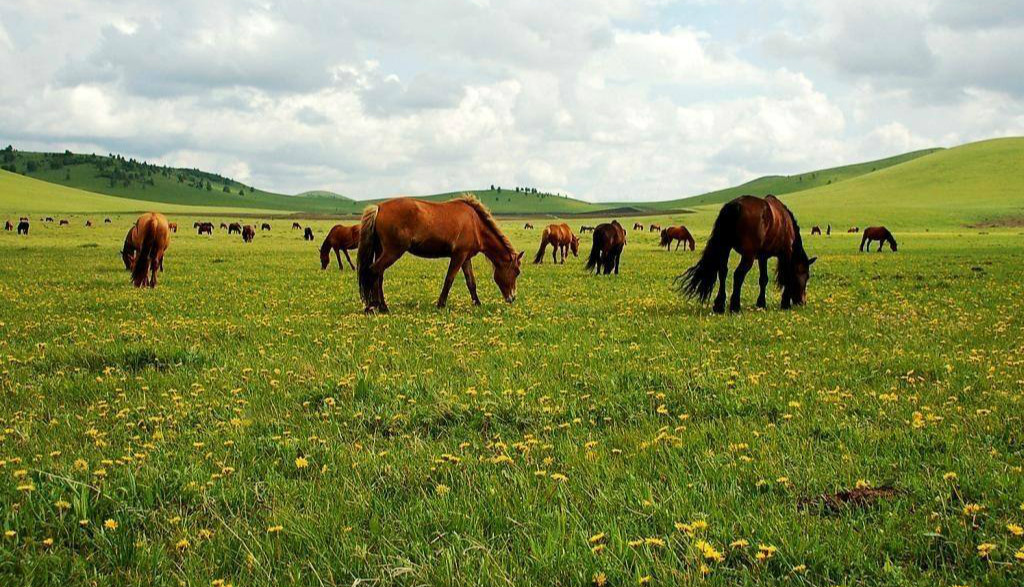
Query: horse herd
point(758, 229)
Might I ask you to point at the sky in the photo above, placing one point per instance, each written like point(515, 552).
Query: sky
point(606, 100)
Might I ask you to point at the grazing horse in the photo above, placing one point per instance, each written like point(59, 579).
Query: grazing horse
point(880, 234)
point(265, 226)
point(150, 241)
point(23, 227)
point(8, 226)
point(173, 226)
point(655, 228)
point(248, 233)
point(458, 229)
point(527, 226)
point(757, 229)
point(88, 223)
point(296, 225)
point(234, 227)
point(638, 226)
point(815, 230)
point(339, 239)
point(828, 230)
point(607, 249)
point(49, 218)
point(129, 249)
point(106, 221)
point(586, 229)
point(308, 235)
point(561, 239)
point(679, 234)
point(64, 222)
point(853, 229)
point(223, 226)
point(205, 228)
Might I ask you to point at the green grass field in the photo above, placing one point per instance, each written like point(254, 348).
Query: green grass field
point(245, 423)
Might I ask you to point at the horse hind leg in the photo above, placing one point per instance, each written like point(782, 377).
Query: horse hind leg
point(719, 305)
point(384, 260)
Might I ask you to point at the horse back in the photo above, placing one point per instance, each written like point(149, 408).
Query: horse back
point(428, 229)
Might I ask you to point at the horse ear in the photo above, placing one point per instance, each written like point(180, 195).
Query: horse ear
point(811, 261)
point(520, 257)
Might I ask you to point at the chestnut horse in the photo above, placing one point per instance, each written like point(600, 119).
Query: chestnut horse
point(8, 226)
point(679, 234)
point(173, 226)
point(204, 228)
point(655, 228)
point(607, 249)
point(638, 226)
point(248, 233)
point(561, 239)
point(458, 229)
point(880, 234)
point(339, 239)
point(151, 239)
point(130, 249)
point(757, 229)
point(308, 234)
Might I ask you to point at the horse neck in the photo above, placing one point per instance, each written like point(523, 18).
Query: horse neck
point(492, 245)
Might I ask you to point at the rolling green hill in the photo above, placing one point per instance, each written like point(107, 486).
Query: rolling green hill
point(512, 202)
point(20, 195)
point(975, 183)
point(787, 184)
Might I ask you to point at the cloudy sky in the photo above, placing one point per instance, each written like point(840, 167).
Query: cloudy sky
point(603, 99)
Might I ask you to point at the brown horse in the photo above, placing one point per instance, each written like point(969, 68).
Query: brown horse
point(655, 228)
point(561, 239)
point(880, 234)
point(234, 227)
point(757, 229)
point(248, 233)
point(638, 226)
point(815, 230)
point(8, 226)
point(679, 234)
point(339, 239)
point(151, 239)
point(853, 229)
point(586, 229)
point(607, 249)
point(223, 226)
point(265, 226)
point(106, 221)
point(88, 223)
point(23, 227)
point(308, 235)
point(130, 249)
point(458, 229)
point(173, 226)
point(527, 226)
point(204, 228)
point(64, 223)
point(296, 225)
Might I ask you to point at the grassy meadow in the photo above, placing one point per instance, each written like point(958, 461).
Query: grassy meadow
point(244, 423)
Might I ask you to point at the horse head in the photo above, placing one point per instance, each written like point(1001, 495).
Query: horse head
point(506, 271)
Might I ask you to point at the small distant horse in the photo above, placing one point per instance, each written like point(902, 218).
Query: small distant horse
point(173, 226)
point(655, 228)
point(679, 234)
point(88, 223)
point(341, 239)
point(265, 227)
point(527, 226)
point(49, 218)
point(638, 226)
point(853, 229)
point(308, 235)
point(8, 226)
point(828, 230)
point(205, 228)
point(757, 229)
point(880, 234)
point(561, 239)
point(248, 233)
point(459, 229)
point(223, 226)
point(151, 239)
point(129, 249)
point(234, 227)
point(296, 225)
point(586, 229)
point(23, 227)
point(815, 230)
point(106, 221)
point(609, 238)
point(64, 222)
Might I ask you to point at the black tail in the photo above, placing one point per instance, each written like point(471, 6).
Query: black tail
point(369, 242)
point(699, 280)
point(595, 252)
point(543, 245)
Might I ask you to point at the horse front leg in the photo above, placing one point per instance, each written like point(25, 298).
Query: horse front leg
point(337, 253)
point(737, 282)
point(347, 258)
point(453, 267)
point(467, 270)
point(762, 281)
point(862, 241)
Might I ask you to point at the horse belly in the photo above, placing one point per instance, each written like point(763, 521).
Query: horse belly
point(431, 249)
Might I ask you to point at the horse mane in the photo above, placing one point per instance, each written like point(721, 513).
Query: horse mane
point(784, 272)
point(486, 217)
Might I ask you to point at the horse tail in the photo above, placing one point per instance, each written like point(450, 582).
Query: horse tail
point(595, 252)
point(666, 240)
point(369, 242)
point(543, 245)
point(147, 250)
point(699, 280)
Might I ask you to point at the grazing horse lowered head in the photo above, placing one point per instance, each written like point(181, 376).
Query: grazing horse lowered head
point(151, 238)
point(458, 229)
point(679, 234)
point(758, 229)
point(308, 234)
point(609, 239)
point(880, 234)
point(339, 239)
point(248, 233)
point(561, 239)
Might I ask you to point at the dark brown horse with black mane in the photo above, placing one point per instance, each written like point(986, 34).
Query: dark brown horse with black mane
point(341, 239)
point(880, 234)
point(458, 229)
point(815, 230)
point(204, 228)
point(609, 239)
point(527, 226)
point(234, 227)
point(585, 228)
point(758, 229)
point(308, 234)
point(638, 226)
point(150, 242)
point(23, 227)
point(679, 234)
point(265, 227)
point(561, 239)
point(8, 226)
point(296, 226)
point(248, 233)
point(223, 226)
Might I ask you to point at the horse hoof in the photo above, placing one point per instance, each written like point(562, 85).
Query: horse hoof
point(719, 309)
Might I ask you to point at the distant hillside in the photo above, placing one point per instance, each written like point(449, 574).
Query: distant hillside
point(975, 183)
point(322, 194)
point(512, 202)
point(787, 184)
